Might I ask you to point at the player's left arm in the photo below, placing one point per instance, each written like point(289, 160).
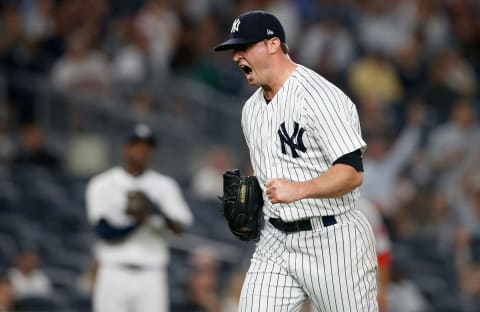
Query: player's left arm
point(344, 176)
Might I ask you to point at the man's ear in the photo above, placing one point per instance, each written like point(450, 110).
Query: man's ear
point(273, 45)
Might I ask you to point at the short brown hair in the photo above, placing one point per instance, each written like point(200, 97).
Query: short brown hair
point(284, 47)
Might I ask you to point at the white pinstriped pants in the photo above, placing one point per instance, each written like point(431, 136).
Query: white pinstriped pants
point(335, 266)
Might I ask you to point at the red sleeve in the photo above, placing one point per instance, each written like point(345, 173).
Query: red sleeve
point(385, 259)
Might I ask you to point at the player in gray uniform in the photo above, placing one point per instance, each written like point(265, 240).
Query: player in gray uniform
point(306, 149)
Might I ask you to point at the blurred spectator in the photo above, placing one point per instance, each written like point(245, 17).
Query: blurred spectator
point(81, 68)
point(74, 14)
point(7, 295)
point(450, 77)
point(432, 25)
point(204, 67)
point(327, 47)
point(470, 276)
point(404, 295)
point(428, 212)
point(385, 26)
point(464, 15)
point(6, 146)
point(159, 24)
point(467, 204)
point(384, 160)
point(289, 15)
point(142, 105)
point(33, 150)
point(456, 73)
point(373, 114)
point(374, 75)
point(468, 241)
point(129, 63)
point(197, 10)
point(11, 31)
point(250, 5)
point(440, 219)
point(86, 281)
point(86, 154)
point(234, 289)
point(194, 57)
point(203, 281)
point(27, 278)
point(15, 53)
point(436, 93)
point(384, 252)
point(452, 144)
point(410, 63)
point(38, 19)
point(207, 183)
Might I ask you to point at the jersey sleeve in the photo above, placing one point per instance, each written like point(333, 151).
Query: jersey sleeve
point(334, 120)
point(383, 243)
point(244, 124)
point(172, 203)
point(96, 201)
point(101, 206)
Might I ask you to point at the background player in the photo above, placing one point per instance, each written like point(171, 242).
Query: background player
point(383, 248)
point(305, 146)
point(130, 207)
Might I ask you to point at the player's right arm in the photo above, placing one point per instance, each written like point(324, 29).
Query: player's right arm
point(334, 121)
point(107, 231)
point(340, 179)
point(99, 216)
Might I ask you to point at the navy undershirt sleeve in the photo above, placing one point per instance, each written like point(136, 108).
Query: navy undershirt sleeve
point(353, 159)
point(106, 231)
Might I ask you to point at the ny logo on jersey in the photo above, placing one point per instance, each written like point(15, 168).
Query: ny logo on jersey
point(287, 139)
point(235, 25)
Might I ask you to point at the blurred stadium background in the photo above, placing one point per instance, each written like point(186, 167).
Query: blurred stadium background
point(76, 74)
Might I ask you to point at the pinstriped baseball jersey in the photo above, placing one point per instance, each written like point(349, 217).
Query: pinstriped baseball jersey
point(298, 135)
point(328, 256)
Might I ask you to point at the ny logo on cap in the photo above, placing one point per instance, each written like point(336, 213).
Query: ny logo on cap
point(269, 32)
point(235, 25)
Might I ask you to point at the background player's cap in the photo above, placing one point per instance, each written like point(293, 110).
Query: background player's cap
point(141, 132)
point(251, 27)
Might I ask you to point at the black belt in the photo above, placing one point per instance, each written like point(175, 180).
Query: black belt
point(301, 225)
point(134, 267)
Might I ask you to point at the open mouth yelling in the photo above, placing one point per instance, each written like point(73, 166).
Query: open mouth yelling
point(247, 70)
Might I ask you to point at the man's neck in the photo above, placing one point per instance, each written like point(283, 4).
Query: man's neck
point(134, 170)
point(285, 69)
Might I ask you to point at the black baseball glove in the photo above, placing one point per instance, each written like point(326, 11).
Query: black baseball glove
point(139, 205)
point(242, 205)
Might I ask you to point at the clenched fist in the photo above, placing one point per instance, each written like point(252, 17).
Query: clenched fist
point(284, 191)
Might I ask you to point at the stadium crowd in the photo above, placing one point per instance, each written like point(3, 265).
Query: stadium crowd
point(411, 66)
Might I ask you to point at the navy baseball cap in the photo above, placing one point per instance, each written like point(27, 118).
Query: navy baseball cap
point(251, 27)
point(141, 132)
